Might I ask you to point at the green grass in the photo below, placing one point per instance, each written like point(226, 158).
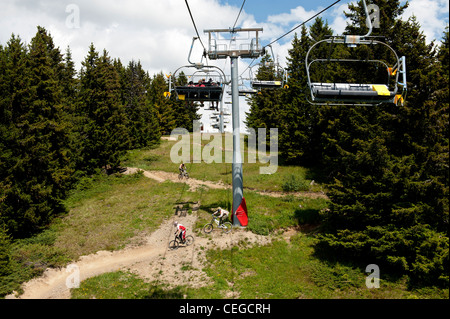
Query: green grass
point(108, 219)
point(159, 159)
point(276, 271)
point(104, 213)
point(109, 212)
point(122, 285)
point(290, 271)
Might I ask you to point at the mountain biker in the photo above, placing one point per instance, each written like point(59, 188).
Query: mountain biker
point(222, 214)
point(182, 231)
point(182, 168)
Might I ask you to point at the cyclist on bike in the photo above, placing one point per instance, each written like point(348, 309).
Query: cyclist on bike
point(222, 214)
point(181, 230)
point(182, 168)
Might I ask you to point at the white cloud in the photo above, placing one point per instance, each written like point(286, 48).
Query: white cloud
point(295, 15)
point(431, 14)
point(159, 33)
point(339, 21)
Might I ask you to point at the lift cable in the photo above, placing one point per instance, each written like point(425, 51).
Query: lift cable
point(279, 38)
point(239, 14)
point(317, 14)
point(195, 27)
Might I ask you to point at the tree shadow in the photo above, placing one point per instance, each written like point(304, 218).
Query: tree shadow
point(307, 216)
point(210, 208)
point(156, 292)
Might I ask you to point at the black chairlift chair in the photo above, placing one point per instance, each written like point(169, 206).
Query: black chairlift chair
point(206, 84)
point(390, 90)
point(200, 94)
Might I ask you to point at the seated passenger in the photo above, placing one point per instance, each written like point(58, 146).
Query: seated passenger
point(200, 83)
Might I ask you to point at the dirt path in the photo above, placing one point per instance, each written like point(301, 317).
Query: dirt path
point(151, 261)
point(193, 184)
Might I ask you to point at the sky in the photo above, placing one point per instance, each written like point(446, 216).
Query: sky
point(159, 33)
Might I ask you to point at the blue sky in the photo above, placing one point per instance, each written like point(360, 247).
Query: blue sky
point(262, 9)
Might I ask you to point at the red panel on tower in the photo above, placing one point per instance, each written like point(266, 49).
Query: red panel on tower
point(241, 213)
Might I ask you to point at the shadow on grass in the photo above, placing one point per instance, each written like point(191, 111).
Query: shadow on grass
point(210, 208)
point(307, 216)
point(157, 292)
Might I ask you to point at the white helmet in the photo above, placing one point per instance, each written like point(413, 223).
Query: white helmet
point(175, 223)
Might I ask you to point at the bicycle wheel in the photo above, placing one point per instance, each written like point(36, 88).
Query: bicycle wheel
point(180, 176)
point(208, 228)
point(187, 176)
point(227, 227)
point(173, 244)
point(189, 240)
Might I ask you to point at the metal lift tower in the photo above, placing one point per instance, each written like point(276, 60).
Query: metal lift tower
point(235, 43)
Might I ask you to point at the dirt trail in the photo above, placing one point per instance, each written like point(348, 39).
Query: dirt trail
point(162, 176)
point(193, 184)
point(151, 260)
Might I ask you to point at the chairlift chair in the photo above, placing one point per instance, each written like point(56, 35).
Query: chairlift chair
point(193, 91)
point(207, 91)
point(391, 90)
point(244, 90)
point(274, 84)
point(257, 85)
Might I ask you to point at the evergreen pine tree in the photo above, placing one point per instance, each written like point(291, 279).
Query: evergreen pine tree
point(38, 172)
point(141, 117)
point(163, 106)
point(13, 100)
point(298, 117)
point(265, 106)
point(104, 132)
point(69, 79)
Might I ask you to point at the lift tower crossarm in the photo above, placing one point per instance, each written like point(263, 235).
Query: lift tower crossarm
point(222, 51)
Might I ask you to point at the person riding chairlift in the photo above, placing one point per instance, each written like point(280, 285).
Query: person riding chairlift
point(201, 83)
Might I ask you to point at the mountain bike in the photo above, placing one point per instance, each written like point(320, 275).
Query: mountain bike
point(174, 244)
point(226, 226)
point(184, 174)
